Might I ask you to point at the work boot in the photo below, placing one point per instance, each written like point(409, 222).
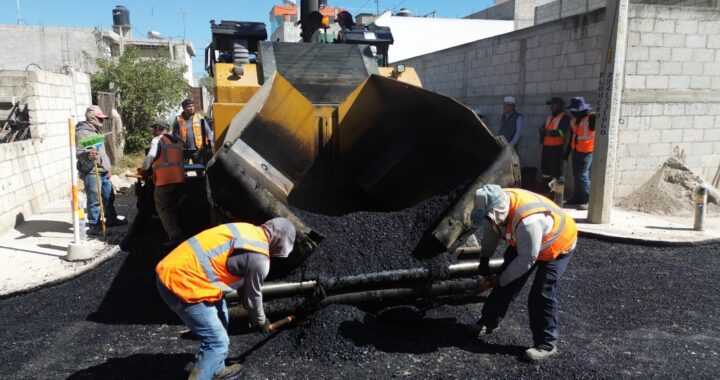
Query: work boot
point(536, 354)
point(116, 222)
point(480, 331)
point(229, 372)
point(97, 231)
point(582, 206)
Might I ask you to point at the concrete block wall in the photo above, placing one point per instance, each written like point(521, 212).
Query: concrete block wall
point(37, 171)
point(560, 58)
point(671, 101)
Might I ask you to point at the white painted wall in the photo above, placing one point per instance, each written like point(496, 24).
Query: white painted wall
point(416, 36)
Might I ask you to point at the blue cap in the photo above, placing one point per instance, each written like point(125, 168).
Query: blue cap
point(487, 198)
point(578, 104)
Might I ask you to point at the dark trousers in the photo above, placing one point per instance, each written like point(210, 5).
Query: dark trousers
point(169, 200)
point(542, 301)
point(581, 171)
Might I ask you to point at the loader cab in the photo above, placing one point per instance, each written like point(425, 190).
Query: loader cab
point(233, 42)
point(378, 37)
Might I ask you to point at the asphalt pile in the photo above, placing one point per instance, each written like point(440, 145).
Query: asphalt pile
point(368, 241)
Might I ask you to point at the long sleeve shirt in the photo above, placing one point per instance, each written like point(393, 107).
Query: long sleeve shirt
point(82, 130)
point(190, 138)
point(528, 235)
point(152, 153)
point(252, 267)
point(519, 123)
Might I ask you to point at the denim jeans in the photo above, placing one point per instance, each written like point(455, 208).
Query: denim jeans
point(93, 202)
point(208, 320)
point(581, 171)
point(542, 301)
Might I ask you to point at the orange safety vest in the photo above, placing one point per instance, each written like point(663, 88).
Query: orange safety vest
point(524, 203)
point(197, 130)
point(552, 124)
point(167, 168)
point(196, 271)
point(583, 138)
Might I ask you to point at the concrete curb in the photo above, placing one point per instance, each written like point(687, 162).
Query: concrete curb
point(100, 258)
point(646, 242)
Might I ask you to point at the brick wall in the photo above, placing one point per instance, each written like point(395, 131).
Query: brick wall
point(37, 171)
point(671, 100)
point(559, 58)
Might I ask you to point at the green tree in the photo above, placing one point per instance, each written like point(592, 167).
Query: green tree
point(146, 88)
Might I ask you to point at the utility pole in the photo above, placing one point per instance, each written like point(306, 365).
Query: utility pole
point(377, 7)
point(18, 11)
point(183, 16)
point(608, 114)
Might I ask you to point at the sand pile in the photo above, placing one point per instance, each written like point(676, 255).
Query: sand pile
point(670, 192)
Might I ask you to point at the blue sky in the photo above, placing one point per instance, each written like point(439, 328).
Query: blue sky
point(166, 16)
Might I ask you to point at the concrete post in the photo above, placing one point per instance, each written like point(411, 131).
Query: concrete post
point(608, 112)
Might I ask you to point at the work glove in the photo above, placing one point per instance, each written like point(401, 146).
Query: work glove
point(489, 282)
point(265, 328)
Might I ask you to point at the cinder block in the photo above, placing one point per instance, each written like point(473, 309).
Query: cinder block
point(702, 148)
point(660, 122)
point(651, 136)
point(660, 149)
point(686, 26)
point(660, 54)
point(692, 134)
point(657, 81)
point(638, 53)
point(648, 68)
point(679, 82)
point(700, 82)
point(651, 39)
point(664, 26)
point(575, 85)
point(709, 27)
point(630, 68)
point(634, 82)
point(670, 68)
point(711, 69)
point(674, 40)
point(715, 83)
point(692, 68)
point(576, 59)
point(713, 41)
point(696, 41)
point(648, 163)
point(712, 135)
point(681, 54)
point(703, 55)
point(671, 135)
point(627, 136)
point(641, 25)
point(704, 121)
point(713, 109)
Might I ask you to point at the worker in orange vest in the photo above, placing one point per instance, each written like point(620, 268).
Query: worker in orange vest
point(195, 276)
point(553, 137)
point(165, 157)
point(582, 143)
point(192, 128)
point(541, 237)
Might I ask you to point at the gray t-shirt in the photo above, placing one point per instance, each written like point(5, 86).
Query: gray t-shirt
point(253, 267)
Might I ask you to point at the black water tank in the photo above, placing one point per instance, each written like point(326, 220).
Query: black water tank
point(121, 16)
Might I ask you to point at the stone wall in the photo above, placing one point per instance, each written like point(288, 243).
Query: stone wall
point(37, 171)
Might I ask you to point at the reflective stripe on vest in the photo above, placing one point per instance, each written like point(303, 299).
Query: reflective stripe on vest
point(583, 138)
point(168, 164)
point(561, 237)
point(196, 271)
point(553, 124)
point(197, 130)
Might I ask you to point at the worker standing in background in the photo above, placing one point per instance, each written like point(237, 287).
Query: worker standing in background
point(192, 128)
point(195, 276)
point(553, 135)
point(540, 236)
point(165, 157)
point(93, 126)
point(511, 122)
point(582, 143)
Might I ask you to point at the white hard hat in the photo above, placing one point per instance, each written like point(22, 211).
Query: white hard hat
point(509, 100)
